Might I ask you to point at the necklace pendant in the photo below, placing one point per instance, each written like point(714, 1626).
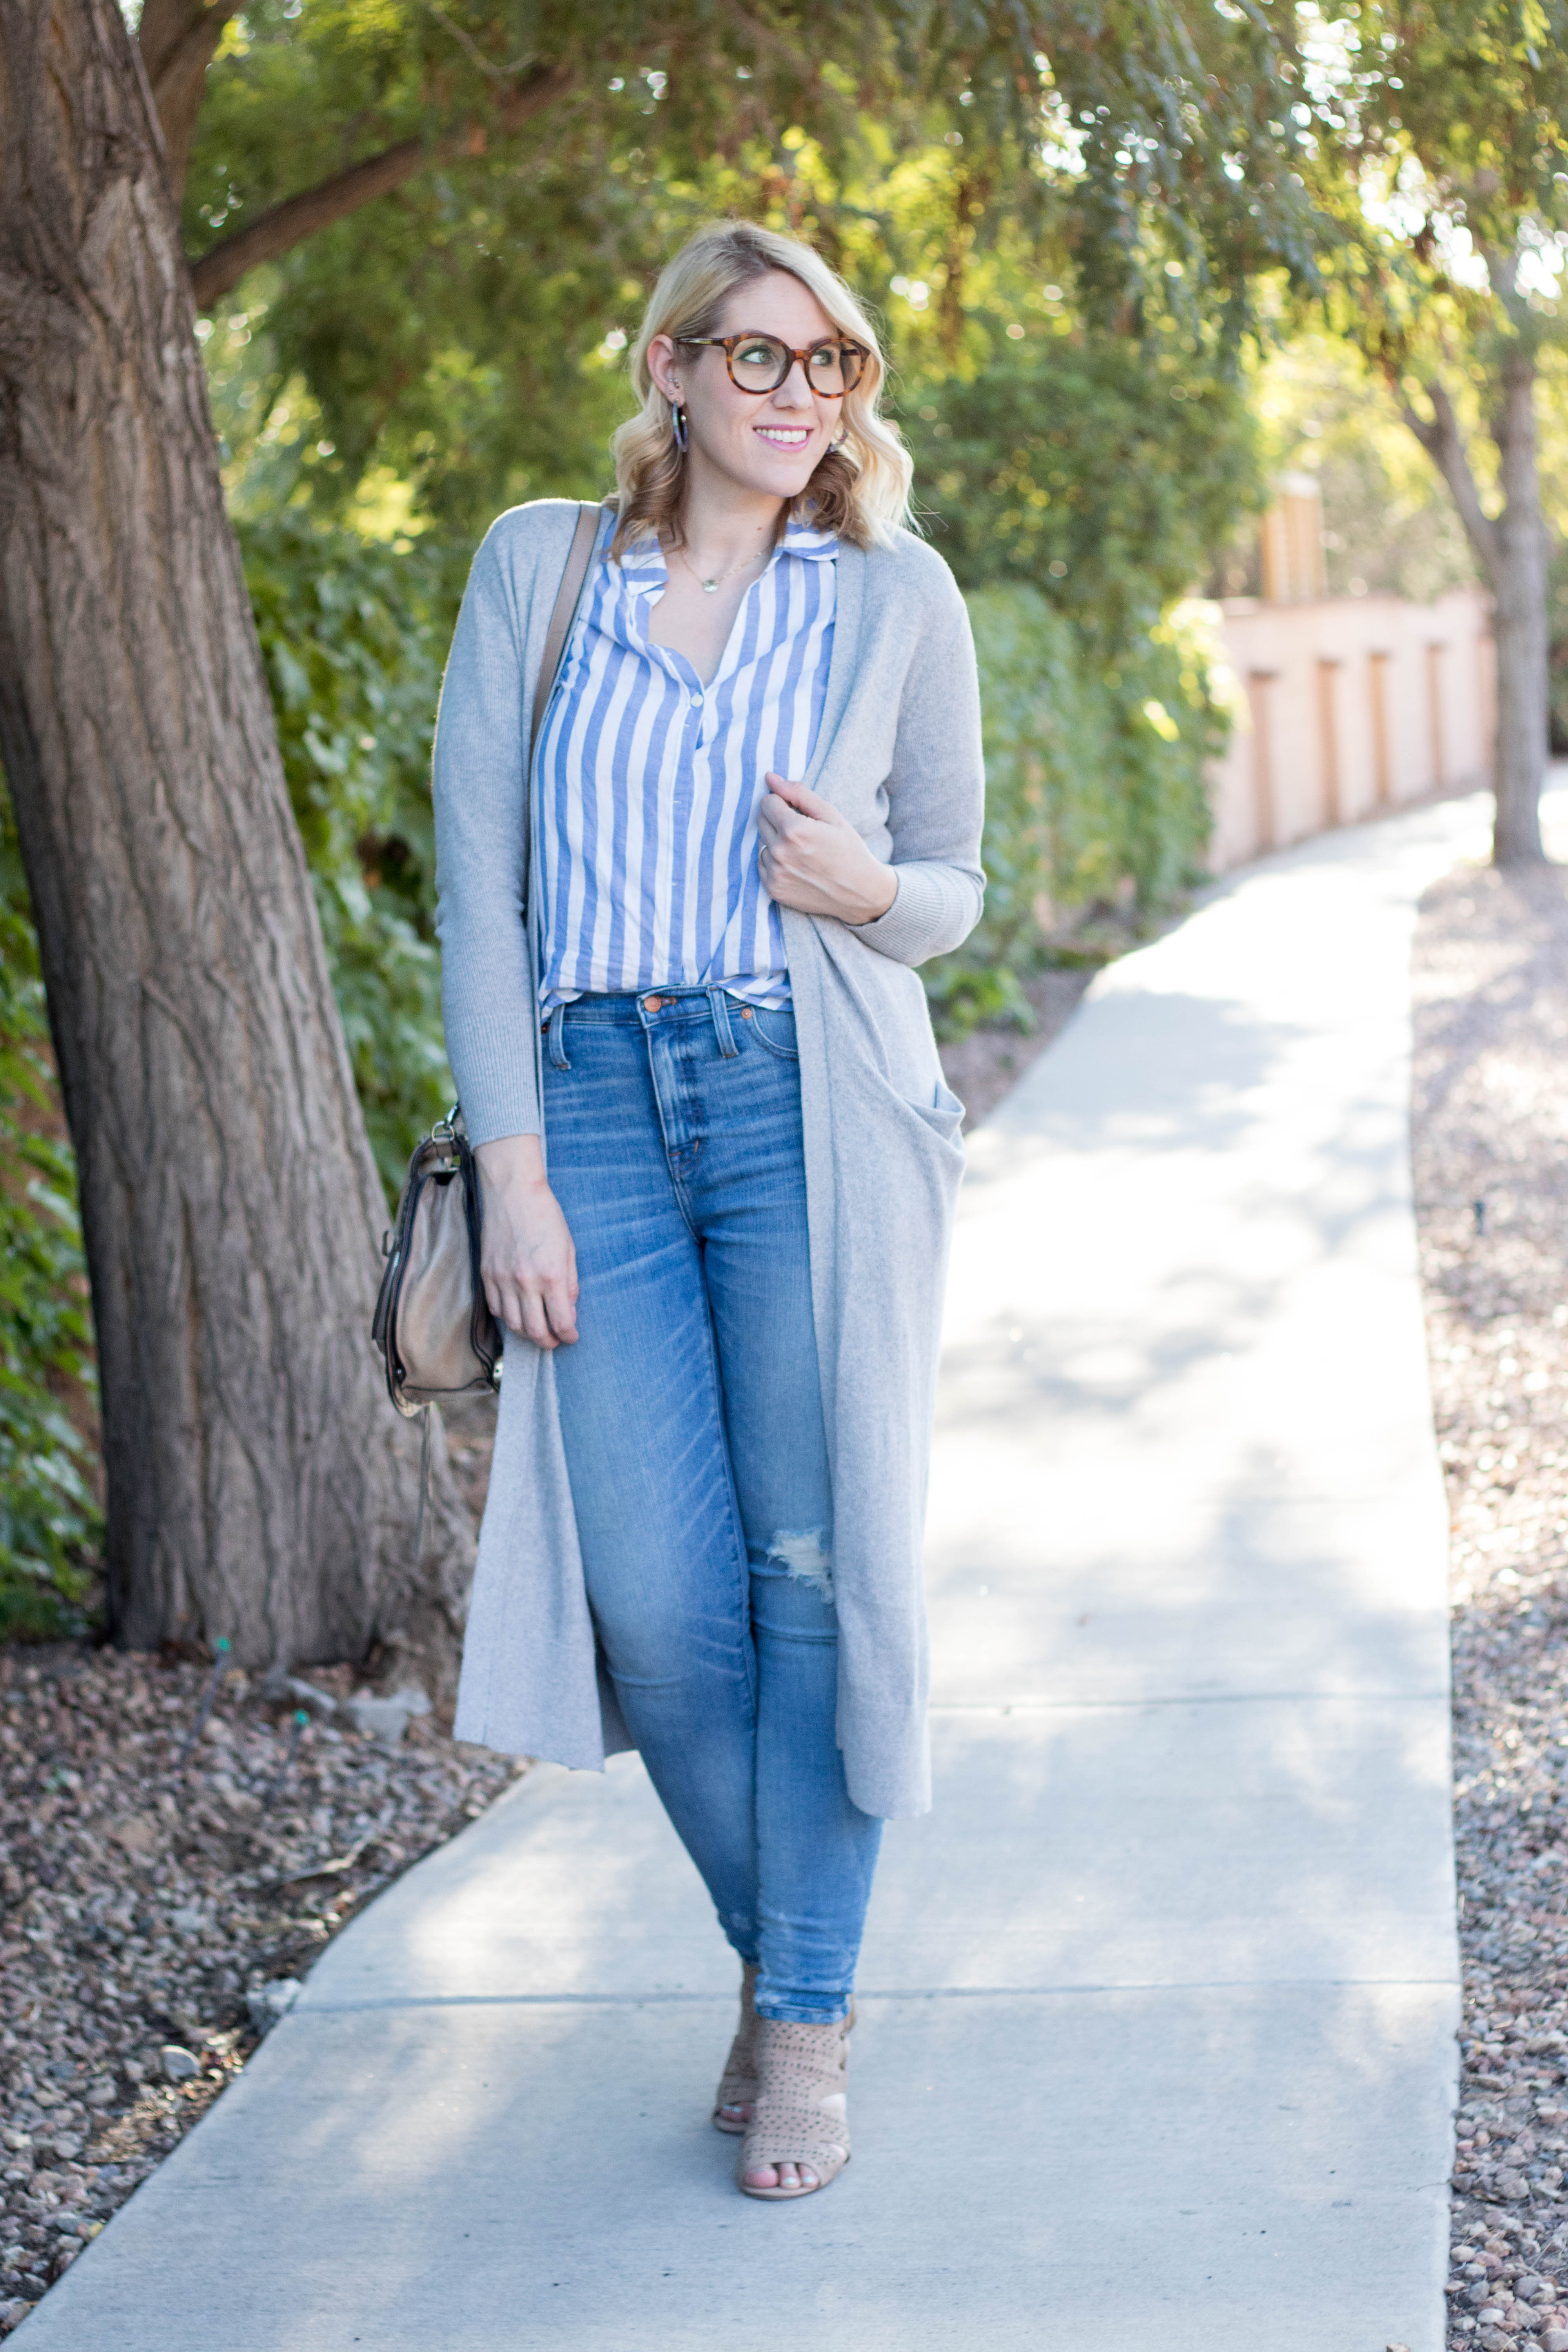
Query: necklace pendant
point(710, 587)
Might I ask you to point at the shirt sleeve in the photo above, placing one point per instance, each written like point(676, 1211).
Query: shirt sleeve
point(936, 794)
point(480, 783)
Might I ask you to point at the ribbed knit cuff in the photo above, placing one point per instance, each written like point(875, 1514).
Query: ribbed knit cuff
point(922, 920)
point(497, 1084)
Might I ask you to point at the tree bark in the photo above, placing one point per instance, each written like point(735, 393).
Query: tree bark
point(1520, 622)
point(260, 1484)
point(1512, 550)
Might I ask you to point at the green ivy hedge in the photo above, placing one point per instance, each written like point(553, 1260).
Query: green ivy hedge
point(49, 1521)
point(1096, 805)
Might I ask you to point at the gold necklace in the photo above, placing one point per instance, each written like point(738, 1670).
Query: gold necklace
point(710, 587)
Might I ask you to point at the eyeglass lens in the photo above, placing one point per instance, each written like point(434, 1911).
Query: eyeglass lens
point(761, 363)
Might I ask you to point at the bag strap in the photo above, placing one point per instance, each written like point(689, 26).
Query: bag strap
point(565, 612)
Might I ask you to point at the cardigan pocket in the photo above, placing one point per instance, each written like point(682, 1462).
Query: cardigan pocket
point(944, 1114)
point(934, 1139)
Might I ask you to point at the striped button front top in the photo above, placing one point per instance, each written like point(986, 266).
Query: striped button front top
point(649, 781)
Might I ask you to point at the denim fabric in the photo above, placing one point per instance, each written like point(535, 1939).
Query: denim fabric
point(692, 1421)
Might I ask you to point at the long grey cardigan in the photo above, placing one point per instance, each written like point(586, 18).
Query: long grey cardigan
point(899, 753)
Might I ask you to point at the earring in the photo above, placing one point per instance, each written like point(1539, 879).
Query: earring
point(677, 425)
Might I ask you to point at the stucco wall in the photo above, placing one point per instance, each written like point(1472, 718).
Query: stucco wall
point(1346, 706)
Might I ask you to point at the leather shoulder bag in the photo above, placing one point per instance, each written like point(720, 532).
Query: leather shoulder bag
point(433, 1327)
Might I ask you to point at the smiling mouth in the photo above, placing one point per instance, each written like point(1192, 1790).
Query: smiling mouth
point(784, 436)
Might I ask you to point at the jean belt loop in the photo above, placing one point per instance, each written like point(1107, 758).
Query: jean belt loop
point(557, 1033)
point(720, 1005)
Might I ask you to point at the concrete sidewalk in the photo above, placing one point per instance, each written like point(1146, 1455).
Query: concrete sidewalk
point(1156, 2029)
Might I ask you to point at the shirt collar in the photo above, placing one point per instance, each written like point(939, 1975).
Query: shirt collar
point(644, 569)
point(806, 539)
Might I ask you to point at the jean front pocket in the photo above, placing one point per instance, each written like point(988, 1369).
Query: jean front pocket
point(774, 1031)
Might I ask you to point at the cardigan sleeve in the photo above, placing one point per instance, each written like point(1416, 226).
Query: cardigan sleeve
point(479, 783)
point(936, 792)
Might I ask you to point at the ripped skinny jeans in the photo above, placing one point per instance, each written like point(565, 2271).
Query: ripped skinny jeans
point(691, 1414)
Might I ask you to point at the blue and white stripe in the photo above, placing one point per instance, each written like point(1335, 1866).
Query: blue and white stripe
point(648, 782)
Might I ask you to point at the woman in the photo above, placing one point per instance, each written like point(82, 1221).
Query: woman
point(680, 960)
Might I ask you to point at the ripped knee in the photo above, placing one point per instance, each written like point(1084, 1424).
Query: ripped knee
point(805, 1558)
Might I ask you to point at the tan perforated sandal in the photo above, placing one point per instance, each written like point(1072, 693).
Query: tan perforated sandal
point(801, 2115)
point(737, 2082)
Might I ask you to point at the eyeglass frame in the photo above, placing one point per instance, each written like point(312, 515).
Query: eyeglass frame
point(726, 343)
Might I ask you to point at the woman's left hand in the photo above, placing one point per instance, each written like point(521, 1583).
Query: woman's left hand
point(814, 861)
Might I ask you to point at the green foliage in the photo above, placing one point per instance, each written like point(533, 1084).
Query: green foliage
point(355, 637)
point(1105, 476)
point(454, 331)
point(49, 1522)
point(1437, 160)
point(1461, 104)
point(1096, 805)
point(1080, 488)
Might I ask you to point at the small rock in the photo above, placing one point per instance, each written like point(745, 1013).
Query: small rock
point(102, 2093)
point(16, 2140)
point(179, 2064)
point(384, 1720)
point(266, 2003)
point(135, 1836)
point(1510, 2185)
point(1555, 2340)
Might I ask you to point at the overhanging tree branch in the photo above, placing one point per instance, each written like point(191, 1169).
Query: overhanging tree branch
point(1441, 436)
point(285, 226)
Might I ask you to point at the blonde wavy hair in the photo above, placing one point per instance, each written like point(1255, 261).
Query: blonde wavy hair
point(860, 489)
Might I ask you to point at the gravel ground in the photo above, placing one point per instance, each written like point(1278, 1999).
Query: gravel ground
point(143, 1899)
point(1492, 1124)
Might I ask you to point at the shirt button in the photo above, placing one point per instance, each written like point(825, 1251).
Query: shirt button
point(697, 702)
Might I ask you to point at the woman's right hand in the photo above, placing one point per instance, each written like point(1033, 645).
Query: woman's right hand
point(527, 1263)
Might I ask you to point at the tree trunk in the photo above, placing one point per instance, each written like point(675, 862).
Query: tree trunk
point(260, 1484)
point(1520, 619)
point(1511, 551)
